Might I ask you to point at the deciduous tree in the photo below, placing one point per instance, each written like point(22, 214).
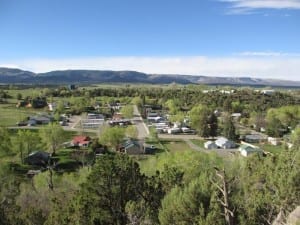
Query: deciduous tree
point(52, 136)
point(112, 136)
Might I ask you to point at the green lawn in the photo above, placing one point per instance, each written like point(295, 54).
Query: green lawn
point(200, 143)
point(271, 148)
point(10, 114)
point(175, 145)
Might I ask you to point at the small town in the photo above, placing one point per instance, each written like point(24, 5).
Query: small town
point(150, 112)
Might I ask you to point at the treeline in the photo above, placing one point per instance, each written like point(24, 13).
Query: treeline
point(241, 100)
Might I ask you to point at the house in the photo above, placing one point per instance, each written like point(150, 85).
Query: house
point(254, 138)
point(81, 141)
point(132, 147)
point(247, 150)
point(38, 158)
point(224, 143)
point(274, 141)
point(210, 145)
point(268, 92)
point(41, 119)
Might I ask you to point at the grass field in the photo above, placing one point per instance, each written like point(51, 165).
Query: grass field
point(175, 145)
point(10, 114)
point(198, 142)
point(271, 148)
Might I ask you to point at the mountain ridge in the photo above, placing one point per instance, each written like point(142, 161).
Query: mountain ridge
point(18, 76)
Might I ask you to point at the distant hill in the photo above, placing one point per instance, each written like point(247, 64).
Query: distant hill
point(17, 76)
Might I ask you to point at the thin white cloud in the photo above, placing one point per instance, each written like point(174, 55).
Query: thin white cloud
point(269, 54)
point(253, 66)
point(250, 6)
point(9, 65)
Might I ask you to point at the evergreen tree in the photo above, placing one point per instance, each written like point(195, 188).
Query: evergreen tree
point(229, 129)
point(114, 181)
point(213, 125)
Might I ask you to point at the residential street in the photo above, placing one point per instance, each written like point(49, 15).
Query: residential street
point(142, 128)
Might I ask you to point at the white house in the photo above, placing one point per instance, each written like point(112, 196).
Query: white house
point(224, 143)
point(210, 145)
point(267, 92)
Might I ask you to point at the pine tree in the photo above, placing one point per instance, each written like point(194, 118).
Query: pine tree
point(229, 129)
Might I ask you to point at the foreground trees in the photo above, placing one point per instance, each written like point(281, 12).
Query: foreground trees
point(115, 192)
point(26, 142)
point(5, 143)
point(187, 190)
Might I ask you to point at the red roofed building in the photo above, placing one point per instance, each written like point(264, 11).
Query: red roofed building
point(81, 141)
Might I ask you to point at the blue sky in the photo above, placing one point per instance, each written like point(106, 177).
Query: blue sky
point(258, 38)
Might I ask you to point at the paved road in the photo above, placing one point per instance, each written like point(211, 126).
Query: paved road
point(179, 136)
point(143, 130)
point(66, 128)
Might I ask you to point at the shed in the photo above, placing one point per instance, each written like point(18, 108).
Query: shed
point(247, 150)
